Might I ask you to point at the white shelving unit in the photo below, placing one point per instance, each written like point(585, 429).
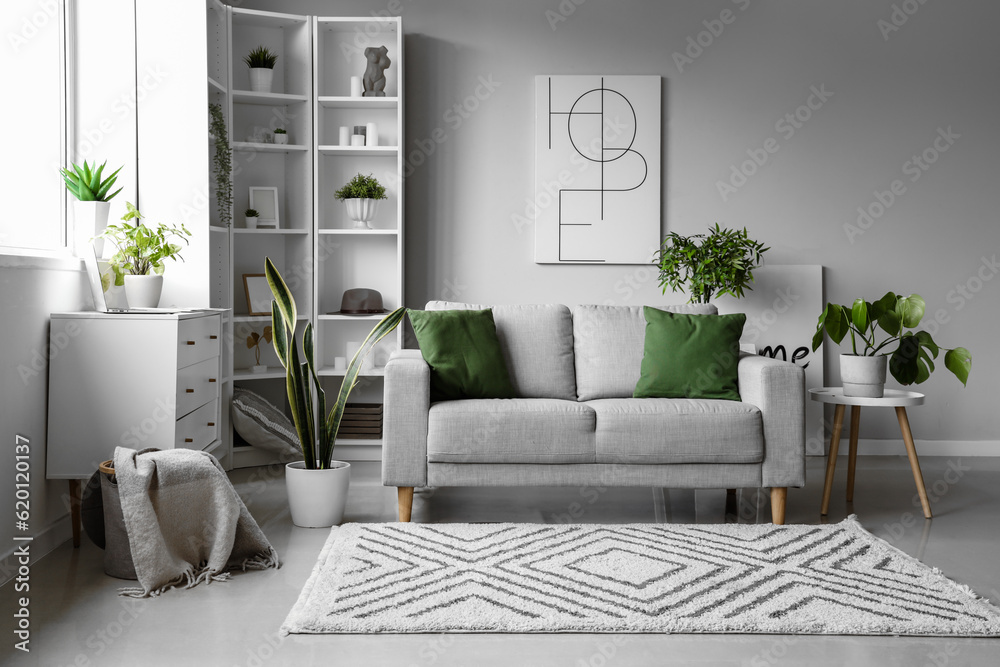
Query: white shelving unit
point(315, 248)
point(345, 257)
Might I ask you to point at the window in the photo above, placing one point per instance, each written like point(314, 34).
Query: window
point(34, 124)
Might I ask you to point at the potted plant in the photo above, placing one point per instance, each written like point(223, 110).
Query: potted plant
point(138, 263)
point(910, 354)
point(254, 343)
point(92, 205)
point(280, 136)
point(261, 63)
point(721, 262)
point(362, 195)
point(251, 215)
point(317, 485)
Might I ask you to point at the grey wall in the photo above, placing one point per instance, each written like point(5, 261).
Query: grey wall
point(889, 99)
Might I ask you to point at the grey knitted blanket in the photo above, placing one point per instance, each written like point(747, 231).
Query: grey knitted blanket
point(185, 522)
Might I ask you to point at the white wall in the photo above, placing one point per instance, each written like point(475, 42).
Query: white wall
point(889, 98)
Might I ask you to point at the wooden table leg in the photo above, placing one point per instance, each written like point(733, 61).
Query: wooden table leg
point(852, 457)
point(831, 464)
point(911, 452)
point(74, 510)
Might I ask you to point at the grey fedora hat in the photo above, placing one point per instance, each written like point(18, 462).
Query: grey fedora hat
point(361, 301)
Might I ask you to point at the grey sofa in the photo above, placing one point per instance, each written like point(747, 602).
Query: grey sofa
point(576, 422)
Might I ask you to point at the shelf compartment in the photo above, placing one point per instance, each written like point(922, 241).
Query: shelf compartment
point(250, 147)
point(215, 86)
point(342, 102)
point(359, 151)
point(272, 373)
point(266, 99)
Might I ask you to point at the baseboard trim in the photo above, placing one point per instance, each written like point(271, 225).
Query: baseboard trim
point(43, 544)
point(872, 447)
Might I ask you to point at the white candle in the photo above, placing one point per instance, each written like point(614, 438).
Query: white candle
point(355, 86)
point(371, 135)
point(357, 140)
point(345, 136)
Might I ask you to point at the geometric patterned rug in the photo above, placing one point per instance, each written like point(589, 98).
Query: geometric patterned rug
point(712, 578)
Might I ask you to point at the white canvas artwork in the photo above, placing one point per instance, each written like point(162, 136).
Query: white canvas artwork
point(597, 169)
point(781, 315)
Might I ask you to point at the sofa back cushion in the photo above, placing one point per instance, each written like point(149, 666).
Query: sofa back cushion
point(608, 344)
point(537, 344)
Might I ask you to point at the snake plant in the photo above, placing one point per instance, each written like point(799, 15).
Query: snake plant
point(85, 183)
point(316, 437)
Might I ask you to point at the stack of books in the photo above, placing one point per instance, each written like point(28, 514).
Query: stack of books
point(361, 421)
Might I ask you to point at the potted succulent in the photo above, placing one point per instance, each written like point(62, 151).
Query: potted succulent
point(254, 343)
point(138, 263)
point(251, 215)
point(280, 136)
point(361, 195)
point(909, 354)
point(720, 262)
point(317, 486)
point(261, 63)
point(93, 196)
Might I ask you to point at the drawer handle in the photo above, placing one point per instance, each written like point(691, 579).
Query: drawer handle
point(190, 342)
point(189, 391)
point(211, 423)
point(211, 379)
point(188, 439)
point(213, 337)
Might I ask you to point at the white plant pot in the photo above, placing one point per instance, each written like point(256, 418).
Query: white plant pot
point(261, 79)
point(863, 376)
point(143, 291)
point(90, 218)
point(361, 211)
point(281, 139)
point(251, 223)
point(258, 369)
point(317, 498)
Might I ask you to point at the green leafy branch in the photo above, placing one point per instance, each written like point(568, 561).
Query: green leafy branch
point(362, 187)
point(222, 164)
point(142, 250)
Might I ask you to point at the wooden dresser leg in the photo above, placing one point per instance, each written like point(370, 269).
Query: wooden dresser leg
point(778, 495)
point(74, 510)
point(405, 497)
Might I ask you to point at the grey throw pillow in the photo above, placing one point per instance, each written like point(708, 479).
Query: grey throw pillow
point(263, 425)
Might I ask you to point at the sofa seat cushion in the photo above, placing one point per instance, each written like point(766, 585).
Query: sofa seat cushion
point(608, 342)
point(537, 343)
point(517, 430)
point(677, 430)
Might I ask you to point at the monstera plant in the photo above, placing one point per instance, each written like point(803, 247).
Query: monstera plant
point(910, 354)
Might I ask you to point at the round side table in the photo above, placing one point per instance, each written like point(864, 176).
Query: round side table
point(893, 398)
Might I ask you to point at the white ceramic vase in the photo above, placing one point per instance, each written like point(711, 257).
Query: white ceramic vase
point(261, 79)
point(143, 291)
point(361, 211)
point(863, 376)
point(317, 498)
point(90, 218)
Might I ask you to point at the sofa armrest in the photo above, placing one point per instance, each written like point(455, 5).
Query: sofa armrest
point(404, 428)
point(778, 389)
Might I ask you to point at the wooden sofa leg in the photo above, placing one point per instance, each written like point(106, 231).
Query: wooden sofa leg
point(405, 497)
point(778, 495)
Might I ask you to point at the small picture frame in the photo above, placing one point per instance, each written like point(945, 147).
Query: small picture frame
point(258, 293)
point(265, 201)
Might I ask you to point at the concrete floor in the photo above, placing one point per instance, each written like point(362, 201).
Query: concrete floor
point(77, 619)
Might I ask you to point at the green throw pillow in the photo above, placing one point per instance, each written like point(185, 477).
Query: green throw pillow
point(690, 356)
point(463, 351)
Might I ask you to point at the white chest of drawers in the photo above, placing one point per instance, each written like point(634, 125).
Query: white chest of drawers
point(131, 380)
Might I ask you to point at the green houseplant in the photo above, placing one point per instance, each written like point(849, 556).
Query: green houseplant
point(720, 262)
point(222, 164)
point(92, 206)
point(138, 263)
point(317, 486)
point(261, 62)
point(280, 136)
point(251, 215)
point(361, 195)
point(909, 354)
